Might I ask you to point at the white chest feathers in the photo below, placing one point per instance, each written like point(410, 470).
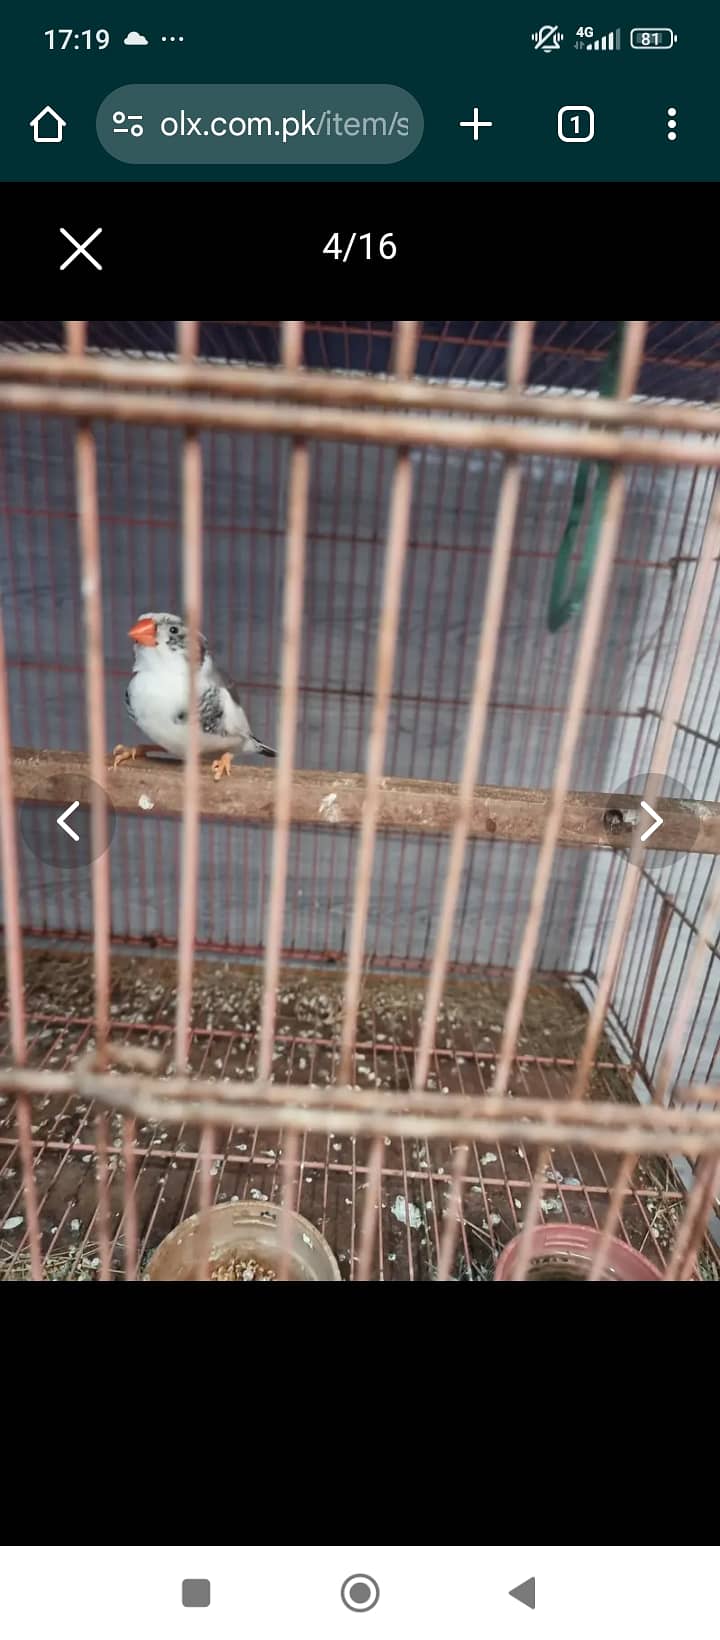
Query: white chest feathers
point(158, 697)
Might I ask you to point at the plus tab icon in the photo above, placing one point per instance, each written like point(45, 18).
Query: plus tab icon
point(476, 125)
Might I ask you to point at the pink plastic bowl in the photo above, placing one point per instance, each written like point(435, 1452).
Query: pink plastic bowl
point(564, 1252)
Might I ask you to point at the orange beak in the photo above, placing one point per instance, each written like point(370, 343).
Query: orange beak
point(143, 632)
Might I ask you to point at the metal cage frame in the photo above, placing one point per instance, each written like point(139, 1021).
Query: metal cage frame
point(405, 414)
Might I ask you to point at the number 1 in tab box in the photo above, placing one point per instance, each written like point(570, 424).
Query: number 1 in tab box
point(576, 123)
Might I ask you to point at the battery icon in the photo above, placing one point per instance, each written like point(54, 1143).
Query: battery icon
point(652, 39)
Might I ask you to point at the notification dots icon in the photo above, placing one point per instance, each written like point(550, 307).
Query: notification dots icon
point(672, 125)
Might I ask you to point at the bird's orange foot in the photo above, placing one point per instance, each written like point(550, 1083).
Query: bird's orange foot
point(222, 765)
point(127, 754)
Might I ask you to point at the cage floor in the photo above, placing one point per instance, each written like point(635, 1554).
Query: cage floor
point(332, 1173)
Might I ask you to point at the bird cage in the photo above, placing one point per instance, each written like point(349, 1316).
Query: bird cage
point(434, 994)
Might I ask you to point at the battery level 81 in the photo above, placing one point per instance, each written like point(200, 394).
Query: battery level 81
point(652, 39)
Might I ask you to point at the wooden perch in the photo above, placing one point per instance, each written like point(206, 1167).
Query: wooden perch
point(649, 1130)
point(154, 787)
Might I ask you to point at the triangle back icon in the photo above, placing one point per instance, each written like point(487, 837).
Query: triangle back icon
point(525, 1593)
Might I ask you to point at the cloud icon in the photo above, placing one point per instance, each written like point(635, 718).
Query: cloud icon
point(135, 39)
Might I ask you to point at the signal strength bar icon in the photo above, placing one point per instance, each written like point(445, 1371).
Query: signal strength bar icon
point(606, 42)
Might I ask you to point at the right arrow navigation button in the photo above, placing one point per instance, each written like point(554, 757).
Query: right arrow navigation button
point(656, 819)
point(525, 1593)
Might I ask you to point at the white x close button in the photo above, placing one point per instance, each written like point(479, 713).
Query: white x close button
point(80, 250)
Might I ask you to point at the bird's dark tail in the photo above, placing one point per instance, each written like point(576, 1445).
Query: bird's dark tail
point(264, 751)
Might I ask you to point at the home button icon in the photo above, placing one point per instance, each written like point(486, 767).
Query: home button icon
point(48, 125)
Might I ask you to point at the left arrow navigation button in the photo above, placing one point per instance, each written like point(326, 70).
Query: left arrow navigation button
point(59, 833)
point(62, 821)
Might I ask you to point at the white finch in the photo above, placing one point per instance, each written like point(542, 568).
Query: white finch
point(157, 697)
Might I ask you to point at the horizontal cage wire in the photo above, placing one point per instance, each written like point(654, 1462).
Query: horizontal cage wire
point(437, 1011)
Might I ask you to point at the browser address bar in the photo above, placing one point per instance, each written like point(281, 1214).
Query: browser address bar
point(259, 124)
